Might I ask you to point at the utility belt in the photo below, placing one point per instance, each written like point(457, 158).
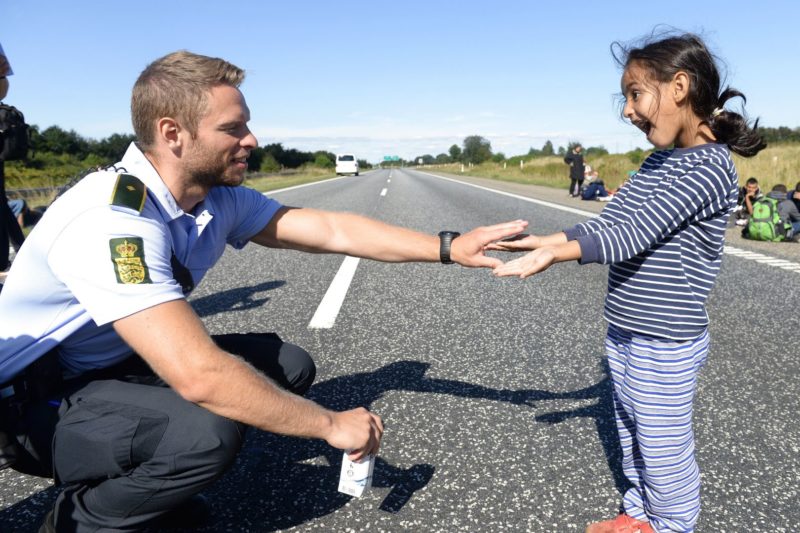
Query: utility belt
point(41, 380)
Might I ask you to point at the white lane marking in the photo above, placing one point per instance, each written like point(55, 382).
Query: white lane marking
point(763, 259)
point(293, 187)
point(389, 180)
point(384, 191)
point(331, 303)
point(738, 252)
point(517, 196)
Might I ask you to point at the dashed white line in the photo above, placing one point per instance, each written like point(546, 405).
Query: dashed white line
point(384, 191)
point(331, 303)
point(763, 259)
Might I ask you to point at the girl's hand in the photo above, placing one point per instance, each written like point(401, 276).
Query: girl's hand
point(537, 261)
point(518, 243)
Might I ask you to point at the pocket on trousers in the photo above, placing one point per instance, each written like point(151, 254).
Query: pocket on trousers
point(98, 439)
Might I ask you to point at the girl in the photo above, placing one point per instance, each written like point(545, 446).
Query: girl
point(663, 235)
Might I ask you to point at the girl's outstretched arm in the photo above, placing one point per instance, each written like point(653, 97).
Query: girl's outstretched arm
point(540, 259)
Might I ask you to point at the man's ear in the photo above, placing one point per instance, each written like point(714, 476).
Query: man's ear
point(680, 87)
point(169, 131)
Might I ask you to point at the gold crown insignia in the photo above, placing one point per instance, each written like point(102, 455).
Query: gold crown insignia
point(126, 249)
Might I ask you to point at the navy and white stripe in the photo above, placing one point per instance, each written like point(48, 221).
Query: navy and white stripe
point(663, 235)
point(654, 383)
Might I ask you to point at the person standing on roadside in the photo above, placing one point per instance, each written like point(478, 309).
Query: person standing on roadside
point(117, 388)
point(576, 171)
point(9, 229)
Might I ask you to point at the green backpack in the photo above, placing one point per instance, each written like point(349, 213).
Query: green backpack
point(765, 223)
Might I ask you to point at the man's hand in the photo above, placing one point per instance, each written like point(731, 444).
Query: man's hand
point(518, 243)
point(537, 261)
point(357, 431)
point(467, 250)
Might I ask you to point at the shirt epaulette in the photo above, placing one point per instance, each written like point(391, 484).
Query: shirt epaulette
point(129, 193)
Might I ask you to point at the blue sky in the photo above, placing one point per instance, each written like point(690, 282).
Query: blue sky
point(391, 78)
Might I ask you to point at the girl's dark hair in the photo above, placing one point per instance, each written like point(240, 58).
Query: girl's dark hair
point(663, 57)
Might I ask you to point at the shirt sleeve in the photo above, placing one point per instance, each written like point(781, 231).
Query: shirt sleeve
point(700, 193)
point(114, 263)
point(249, 210)
point(609, 216)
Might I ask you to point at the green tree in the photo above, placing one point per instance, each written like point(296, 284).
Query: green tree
point(323, 160)
point(499, 157)
point(595, 151)
point(455, 153)
point(443, 159)
point(476, 149)
point(269, 164)
point(113, 147)
point(547, 149)
point(59, 141)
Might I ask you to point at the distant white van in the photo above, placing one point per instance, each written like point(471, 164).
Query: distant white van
point(346, 164)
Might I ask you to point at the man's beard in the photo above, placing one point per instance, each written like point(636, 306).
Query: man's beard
point(209, 173)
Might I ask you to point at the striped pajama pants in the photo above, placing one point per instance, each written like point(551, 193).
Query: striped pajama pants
point(654, 382)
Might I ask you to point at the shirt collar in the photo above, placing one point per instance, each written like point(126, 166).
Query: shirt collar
point(134, 162)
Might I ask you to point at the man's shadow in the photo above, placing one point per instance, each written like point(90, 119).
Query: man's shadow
point(297, 478)
point(238, 299)
point(280, 482)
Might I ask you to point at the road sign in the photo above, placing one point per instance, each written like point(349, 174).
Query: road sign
point(391, 158)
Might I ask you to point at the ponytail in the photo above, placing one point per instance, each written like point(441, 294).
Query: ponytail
point(732, 128)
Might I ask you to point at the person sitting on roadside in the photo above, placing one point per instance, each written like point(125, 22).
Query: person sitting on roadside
point(23, 213)
point(794, 195)
point(747, 197)
point(787, 209)
point(775, 218)
point(595, 188)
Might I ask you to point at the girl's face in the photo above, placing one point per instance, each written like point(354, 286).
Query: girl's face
point(651, 107)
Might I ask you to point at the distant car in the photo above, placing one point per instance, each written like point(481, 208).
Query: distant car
point(346, 164)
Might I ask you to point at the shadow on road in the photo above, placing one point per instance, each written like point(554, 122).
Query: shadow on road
point(602, 413)
point(281, 482)
point(238, 299)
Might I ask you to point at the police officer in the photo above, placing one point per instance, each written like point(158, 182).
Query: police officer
point(104, 361)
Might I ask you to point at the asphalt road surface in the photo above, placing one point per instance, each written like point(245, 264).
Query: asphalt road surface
point(494, 392)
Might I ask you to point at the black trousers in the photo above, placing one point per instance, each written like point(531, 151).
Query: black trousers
point(127, 448)
point(575, 185)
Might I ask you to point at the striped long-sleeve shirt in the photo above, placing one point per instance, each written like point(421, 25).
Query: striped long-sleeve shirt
point(663, 235)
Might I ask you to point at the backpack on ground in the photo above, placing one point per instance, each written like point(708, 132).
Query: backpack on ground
point(14, 134)
point(765, 223)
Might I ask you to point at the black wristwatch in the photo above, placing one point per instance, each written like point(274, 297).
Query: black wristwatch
point(445, 240)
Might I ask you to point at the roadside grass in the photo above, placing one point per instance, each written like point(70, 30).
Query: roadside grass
point(271, 182)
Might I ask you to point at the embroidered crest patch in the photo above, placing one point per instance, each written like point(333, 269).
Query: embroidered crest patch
point(127, 254)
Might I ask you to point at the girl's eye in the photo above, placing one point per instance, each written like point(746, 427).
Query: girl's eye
point(635, 95)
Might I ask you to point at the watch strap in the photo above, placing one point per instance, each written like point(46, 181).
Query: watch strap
point(445, 243)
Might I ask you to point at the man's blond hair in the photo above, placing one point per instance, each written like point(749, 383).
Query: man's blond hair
point(177, 86)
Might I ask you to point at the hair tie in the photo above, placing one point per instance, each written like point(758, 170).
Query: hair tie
point(717, 112)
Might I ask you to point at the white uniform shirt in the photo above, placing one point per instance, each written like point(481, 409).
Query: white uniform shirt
point(65, 287)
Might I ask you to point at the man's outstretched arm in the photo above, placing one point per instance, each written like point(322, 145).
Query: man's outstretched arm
point(316, 231)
